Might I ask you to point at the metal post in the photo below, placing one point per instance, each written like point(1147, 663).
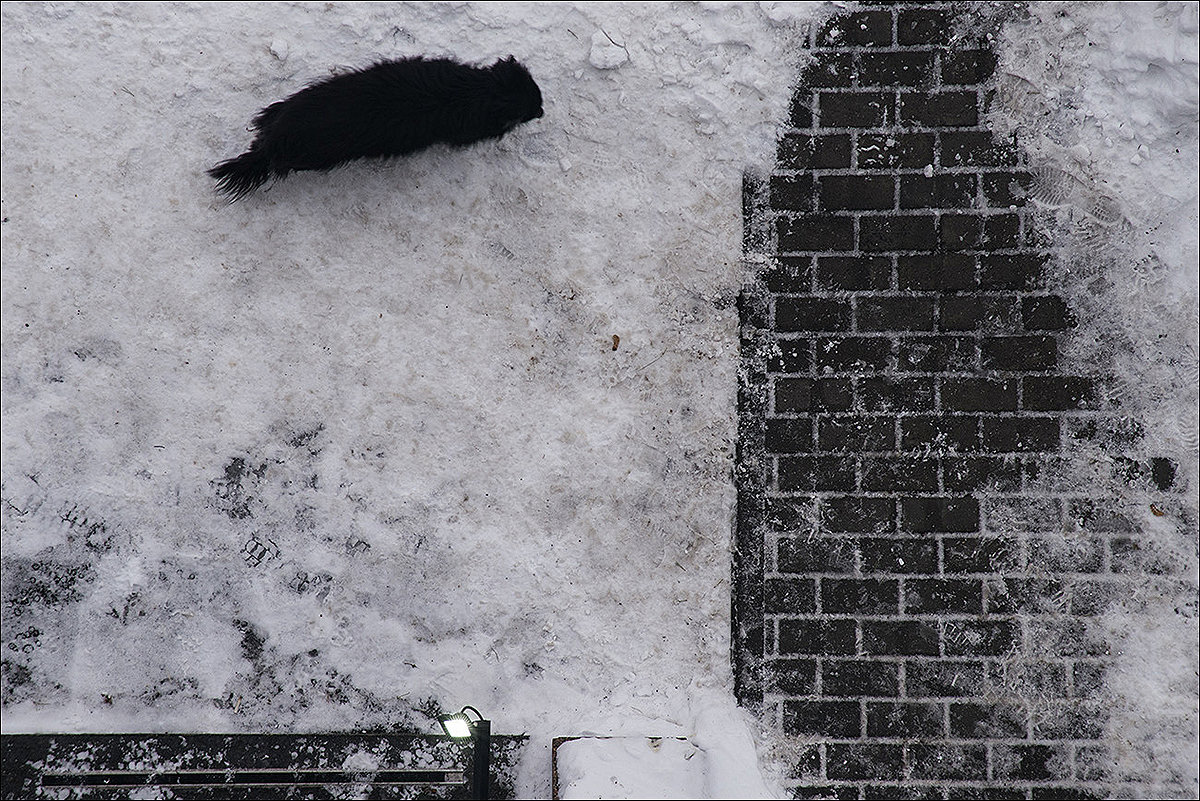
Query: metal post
point(481, 767)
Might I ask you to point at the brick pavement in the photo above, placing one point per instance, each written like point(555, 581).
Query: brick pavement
point(912, 590)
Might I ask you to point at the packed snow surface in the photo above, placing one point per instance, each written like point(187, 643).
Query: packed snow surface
point(403, 436)
point(455, 429)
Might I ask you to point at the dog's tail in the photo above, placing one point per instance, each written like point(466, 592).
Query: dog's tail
point(238, 177)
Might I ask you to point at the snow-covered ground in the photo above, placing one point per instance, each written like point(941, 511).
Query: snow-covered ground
point(459, 428)
point(456, 429)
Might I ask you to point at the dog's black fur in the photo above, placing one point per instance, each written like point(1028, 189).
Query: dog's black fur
point(390, 109)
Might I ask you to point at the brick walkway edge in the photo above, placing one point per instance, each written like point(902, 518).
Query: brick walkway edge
point(912, 597)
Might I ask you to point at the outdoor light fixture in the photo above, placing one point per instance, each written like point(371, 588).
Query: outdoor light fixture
point(459, 726)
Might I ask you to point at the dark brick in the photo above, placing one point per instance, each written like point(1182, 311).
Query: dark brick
point(924, 26)
point(941, 434)
point(830, 70)
point(989, 473)
point(857, 192)
point(945, 191)
point(788, 436)
point(906, 720)
point(818, 555)
point(888, 151)
point(853, 354)
point(939, 514)
point(800, 110)
point(1021, 434)
point(821, 718)
point(988, 721)
point(863, 28)
point(944, 761)
point(935, 354)
point(974, 149)
point(899, 474)
point(979, 395)
point(854, 272)
point(960, 232)
point(1046, 313)
point(902, 638)
point(1001, 232)
point(864, 761)
point(794, 395)
point(910, 232)
point(828, 637)
point(789, 515)
point(792, 596)
point(1020, 272)
point(981, 637)
point(907, 68)
point(966, 67)
point(894, 313)
point(1056, 393)
point(1052, 793)
point(811, 314)
point(791, 676)
point(816, 474)
point(1019, 353)
point(838, 792)
point(893, 792)
point(885, 394)
point(860, 596)
point(935, 596)
point(907, 555)
point(1006, 189)
point(858, 514)
point(788, 274)
point(859, 678)
point(819, 233)
point(856, 434)
point(855, 109)
point(1031, 763)
point(943, 679)
point(806, 152)
point(939, 109)
point(793, 356)
point(977, 313)
point(792, 192)
point(962, 555)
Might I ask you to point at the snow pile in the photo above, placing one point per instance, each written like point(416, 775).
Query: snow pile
point(1104, 96)
point(393, 439)
point(629, 767)
point(718, 761)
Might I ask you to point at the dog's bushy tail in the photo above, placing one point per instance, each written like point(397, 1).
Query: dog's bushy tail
point(238, 177)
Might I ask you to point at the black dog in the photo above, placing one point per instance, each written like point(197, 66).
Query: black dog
point(391, 109)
